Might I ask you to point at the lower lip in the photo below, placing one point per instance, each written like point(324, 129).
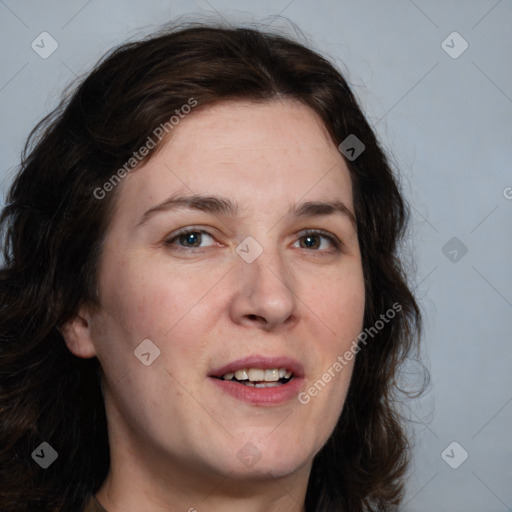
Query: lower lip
point(261, 396)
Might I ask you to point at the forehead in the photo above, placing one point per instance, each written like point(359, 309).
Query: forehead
point(284, 127)
point(267, 152)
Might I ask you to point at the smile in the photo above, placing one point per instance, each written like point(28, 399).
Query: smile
point(260, 380)
point(259, 377)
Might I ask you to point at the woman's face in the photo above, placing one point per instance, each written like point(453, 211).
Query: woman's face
point(233, 248)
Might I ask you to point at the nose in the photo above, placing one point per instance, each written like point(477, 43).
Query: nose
point(264, 296)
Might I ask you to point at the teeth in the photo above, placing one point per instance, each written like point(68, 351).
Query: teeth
point(241, 375)
point(260, 384)
point(259, 375)
point(272, 375)
point(256, 375)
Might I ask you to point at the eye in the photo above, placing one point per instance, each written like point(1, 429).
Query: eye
point(318, 241)
point(191, 238)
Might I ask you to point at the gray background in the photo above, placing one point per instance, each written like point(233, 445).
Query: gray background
point(447, 124)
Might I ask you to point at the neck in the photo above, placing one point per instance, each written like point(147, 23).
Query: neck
point(121, 492)
point(143, 478)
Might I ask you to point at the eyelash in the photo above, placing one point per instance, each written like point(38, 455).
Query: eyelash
point(183, 232)
point(336, 243)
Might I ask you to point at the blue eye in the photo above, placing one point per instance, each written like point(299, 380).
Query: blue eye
point(192, 238)
point(317, 240)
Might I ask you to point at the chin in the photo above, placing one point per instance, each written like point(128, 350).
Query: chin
point(263, 466)
point(263, 473)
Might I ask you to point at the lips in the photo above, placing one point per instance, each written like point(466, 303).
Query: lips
point(256, 383)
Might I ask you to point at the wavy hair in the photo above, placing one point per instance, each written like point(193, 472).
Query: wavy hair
point(53, 226)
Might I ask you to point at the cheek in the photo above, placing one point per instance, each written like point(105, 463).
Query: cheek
point(166, 306)
point(150, 300)
point(337, 314)
point(342, 306)
point(338, 304)
point(350, 310)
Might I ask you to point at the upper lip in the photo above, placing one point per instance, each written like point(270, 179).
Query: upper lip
point(265, 363)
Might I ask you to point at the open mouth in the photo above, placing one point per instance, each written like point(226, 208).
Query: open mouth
point(259, 380)
point(258, 377)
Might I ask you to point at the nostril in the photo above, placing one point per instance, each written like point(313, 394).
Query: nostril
point(256, 319)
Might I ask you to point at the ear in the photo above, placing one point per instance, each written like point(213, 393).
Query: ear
point(77, 333)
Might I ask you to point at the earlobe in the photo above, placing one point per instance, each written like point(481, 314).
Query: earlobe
point(77, 335)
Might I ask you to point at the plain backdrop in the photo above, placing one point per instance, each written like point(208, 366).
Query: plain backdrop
point(444, 114)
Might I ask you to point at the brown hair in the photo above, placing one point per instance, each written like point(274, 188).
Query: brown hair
point(53, 226)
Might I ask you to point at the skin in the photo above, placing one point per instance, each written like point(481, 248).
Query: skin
point(174, 436)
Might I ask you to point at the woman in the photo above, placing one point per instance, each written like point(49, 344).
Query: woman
point(202, 305)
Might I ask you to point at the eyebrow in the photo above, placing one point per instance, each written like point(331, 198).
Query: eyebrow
point(321, 208)
point(224, 206)
point(209, 204)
